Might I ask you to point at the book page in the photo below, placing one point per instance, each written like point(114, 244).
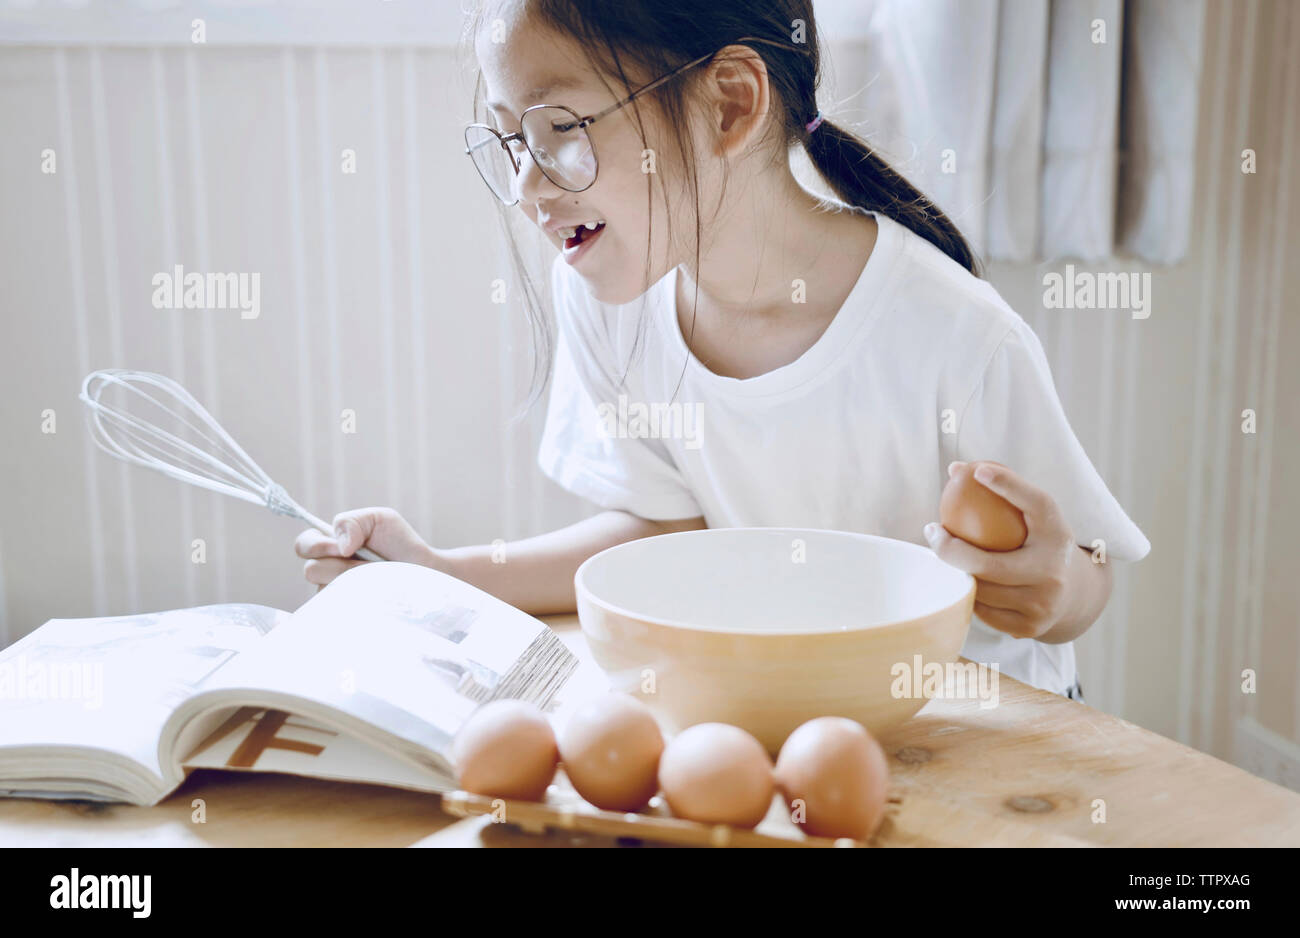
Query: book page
point(111, 683)
point(253, 739)
point(407, 650)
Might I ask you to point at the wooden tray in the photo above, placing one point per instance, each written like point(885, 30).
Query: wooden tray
point(910, 821)
point(653, 824)
point(565, 810)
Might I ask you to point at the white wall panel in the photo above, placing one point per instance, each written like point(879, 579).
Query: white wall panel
point(376, 297)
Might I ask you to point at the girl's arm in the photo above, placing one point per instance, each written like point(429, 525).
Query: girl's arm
point(535, 574)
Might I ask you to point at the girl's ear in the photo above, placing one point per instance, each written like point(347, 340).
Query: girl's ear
point(740, 94)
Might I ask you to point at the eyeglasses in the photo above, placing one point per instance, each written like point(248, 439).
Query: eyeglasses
point(555, 137)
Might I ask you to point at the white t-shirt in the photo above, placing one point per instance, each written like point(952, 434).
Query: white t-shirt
point(850, 436)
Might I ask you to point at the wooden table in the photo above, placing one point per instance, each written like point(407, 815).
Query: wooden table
point(1036, 770)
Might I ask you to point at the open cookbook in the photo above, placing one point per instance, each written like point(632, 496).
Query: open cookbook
point(368, 681)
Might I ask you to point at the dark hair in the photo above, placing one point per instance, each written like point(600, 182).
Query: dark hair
point(654, 37)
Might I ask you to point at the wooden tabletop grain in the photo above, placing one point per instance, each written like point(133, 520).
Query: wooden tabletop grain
point(1037, 769)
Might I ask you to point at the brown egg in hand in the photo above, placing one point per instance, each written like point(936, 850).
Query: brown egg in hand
point(506, 749)
point(974, 513)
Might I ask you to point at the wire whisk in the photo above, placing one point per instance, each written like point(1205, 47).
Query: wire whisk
point(152, 421)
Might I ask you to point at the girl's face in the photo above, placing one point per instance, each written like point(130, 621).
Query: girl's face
point(536, 65)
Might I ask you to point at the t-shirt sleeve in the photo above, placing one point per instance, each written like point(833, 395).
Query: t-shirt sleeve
point(1015, 417)
point(578, 450)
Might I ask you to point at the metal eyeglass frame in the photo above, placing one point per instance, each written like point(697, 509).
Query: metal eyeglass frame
point(584, 122)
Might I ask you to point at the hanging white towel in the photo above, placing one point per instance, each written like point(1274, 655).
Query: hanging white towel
point(1009, 115)
point(1162, 72)
point(939, 57)
point(1016, 149)
point(1080, 139)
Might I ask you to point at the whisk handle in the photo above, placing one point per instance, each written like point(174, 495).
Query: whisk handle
point(364, 553)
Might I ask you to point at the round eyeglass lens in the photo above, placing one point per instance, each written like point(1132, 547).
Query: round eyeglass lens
point(493, 163)
point(560, 146)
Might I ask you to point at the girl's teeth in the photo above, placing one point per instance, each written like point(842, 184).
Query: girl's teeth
point(566, 233)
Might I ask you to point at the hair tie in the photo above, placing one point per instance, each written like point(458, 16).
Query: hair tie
point(814, 123)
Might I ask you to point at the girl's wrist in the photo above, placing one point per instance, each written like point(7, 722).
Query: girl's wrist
point(440, 560)
point(1088, 590)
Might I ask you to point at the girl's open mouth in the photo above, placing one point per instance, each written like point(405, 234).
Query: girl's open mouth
point(577, 239)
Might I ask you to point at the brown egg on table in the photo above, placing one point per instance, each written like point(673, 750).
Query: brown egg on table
point(833, 775)
point(717, 774)
point(974, 513)
point(506, 749)
point(610, 748)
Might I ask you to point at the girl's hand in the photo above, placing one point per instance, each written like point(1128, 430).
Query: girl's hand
point(383, 530)
point(1022, 592)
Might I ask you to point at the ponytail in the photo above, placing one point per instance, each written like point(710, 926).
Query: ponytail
point(861, 178)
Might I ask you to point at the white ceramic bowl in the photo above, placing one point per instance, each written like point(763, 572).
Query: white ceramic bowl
point(766, 628)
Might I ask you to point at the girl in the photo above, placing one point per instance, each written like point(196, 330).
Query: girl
point(842, 356)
